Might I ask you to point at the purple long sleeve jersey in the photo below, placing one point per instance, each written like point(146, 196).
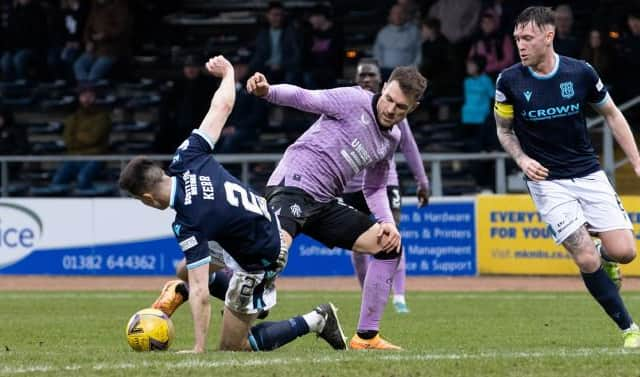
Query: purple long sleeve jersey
point(410, 150)
point(344, 141)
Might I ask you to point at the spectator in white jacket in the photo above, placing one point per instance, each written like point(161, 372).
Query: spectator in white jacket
point(398, 43)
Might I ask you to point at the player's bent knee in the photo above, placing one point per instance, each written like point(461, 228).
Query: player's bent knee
point(628, 256)
point(226, 345)
point(587, 263)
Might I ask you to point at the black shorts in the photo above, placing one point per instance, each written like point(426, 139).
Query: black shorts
point(357, 201)
point(333, 223)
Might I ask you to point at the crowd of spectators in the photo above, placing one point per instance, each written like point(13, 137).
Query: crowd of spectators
point(459, 45)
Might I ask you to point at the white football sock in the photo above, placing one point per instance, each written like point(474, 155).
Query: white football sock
point(398, 299)
point(314, 320)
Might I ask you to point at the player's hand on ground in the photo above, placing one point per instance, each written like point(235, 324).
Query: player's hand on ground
point(219, 66)
point(258, 85)
point(388, 237)
point(423, 196)
point(533, 169)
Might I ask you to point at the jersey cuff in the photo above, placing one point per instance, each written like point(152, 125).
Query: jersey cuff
point(205, 137)
point(199, 263)
point(603, 101)
point(504, 110)
point(174, 185)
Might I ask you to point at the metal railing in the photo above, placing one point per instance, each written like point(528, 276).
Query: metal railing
point(608, 155)
point(245, 160)
point(435, 160)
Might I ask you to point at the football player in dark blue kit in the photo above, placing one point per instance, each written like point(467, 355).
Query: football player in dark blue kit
point(212, 205)
point(539, 111)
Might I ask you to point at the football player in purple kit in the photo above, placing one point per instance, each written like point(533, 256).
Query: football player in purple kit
point(355, 132)
point(368, 77)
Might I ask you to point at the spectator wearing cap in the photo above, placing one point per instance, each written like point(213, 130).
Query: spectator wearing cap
point(398, 43)
point(277, 48)
point(86, 132)
point(249, 113)
point(496, 47)
point(322, 51)
point(184, 105)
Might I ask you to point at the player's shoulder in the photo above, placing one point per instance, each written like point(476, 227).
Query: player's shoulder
point(403, 126)
point(194, 148)
point(357, 92)
point(575, 66)
point(514, 72)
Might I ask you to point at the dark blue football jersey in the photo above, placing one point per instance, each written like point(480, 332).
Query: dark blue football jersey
point(211, 204)
point(548, 113)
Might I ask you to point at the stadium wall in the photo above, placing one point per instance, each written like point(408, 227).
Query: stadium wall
point(461, 236)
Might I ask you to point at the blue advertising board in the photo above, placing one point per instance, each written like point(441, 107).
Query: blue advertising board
point(438, 240)
point(91, 237)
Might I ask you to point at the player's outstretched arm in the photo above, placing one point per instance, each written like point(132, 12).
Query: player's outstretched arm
point(532, 168)
point(330, 101)
point(621, 131)
point(409, 148)
point(223, 99)
point(374, 189)
point(200, 306)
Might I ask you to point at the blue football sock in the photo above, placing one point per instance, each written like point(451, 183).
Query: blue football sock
point(268, 336)
point(219, 283)
point(607, 295)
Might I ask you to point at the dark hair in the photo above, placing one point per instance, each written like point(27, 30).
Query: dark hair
point(140, 176)
point(274, 5)
point(480, 62)
point(634, 12)
point(372, 61)
point(320, 9)
point(411, 82)
point(539, 16)
point(432, 23)
point(7, 115)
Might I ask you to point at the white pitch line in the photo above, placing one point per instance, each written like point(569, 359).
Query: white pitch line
point(397, 357)
point(306, 295)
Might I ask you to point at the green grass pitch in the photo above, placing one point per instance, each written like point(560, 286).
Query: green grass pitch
point(446, 334)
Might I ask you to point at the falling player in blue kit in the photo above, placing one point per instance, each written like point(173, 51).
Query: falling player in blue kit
point(539, 111)
point(211, 204)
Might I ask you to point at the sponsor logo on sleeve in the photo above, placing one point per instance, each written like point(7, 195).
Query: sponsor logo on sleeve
point(189, 243)
point(599, 85)
point(500, 97)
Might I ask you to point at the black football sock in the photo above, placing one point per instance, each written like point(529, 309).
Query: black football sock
point(268, 336)
point(607, 295)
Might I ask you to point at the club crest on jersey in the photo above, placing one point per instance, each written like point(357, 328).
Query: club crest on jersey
point(527, 94)
point(295, 210)
point(566, 89)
